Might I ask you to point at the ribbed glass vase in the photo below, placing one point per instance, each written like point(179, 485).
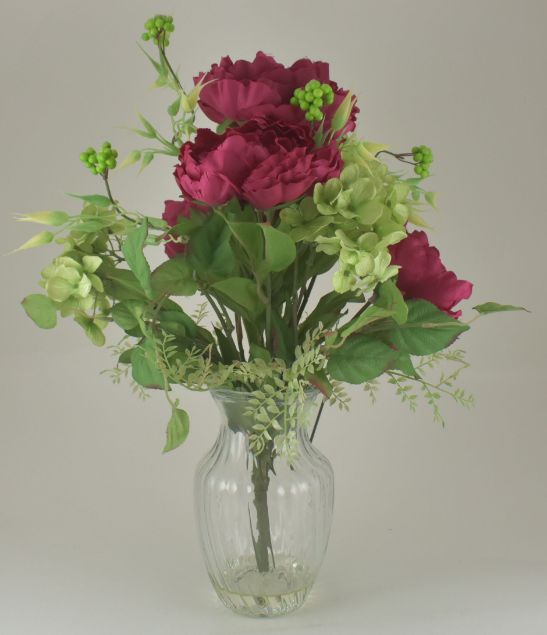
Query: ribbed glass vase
point(264, 521)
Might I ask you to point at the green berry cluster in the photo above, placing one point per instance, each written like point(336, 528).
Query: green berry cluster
point(424, 158)
point(158, 29)
point(100, 162)
point(312, 98)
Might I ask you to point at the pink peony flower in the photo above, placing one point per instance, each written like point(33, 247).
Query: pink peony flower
point(245, 90)
point(264, 162)
point(173, 211)
point(423, 276)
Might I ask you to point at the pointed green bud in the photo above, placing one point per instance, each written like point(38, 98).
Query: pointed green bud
point(53, 219)
point(43, 238)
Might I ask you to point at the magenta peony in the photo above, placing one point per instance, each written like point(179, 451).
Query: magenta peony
point(264, 162)
point(423, 276)
point(243, 90)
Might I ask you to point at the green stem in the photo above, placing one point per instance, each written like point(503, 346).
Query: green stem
point(261, 481)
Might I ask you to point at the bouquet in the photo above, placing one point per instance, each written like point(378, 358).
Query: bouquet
point(277, 192)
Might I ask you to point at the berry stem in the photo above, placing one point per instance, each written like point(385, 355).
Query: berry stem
point(161, 48)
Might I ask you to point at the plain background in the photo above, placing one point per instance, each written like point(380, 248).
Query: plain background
point(440, 531)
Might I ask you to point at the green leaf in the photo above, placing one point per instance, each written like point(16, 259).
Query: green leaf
point(227, 347)
point(43, 238)
point(174, 277)
point(251, 239)
point(222, 127)
point(147, 125)
point(283, 338)
point(361, 358)
point(51, 218)
point(494, 307)
point(209, 249)
point(147, 158)
point(143, 369)
point(239, 293)
point(389, 297)
point(177, 429)
point(95, 199)
point(132, 249)
point(369, 315)
point(427, 330)
point(40, 310)
point(259, 352)
point(174, 107)
point(95, 334)
point(280, 250)
point(328, 311)
point(130, 159)
point(128, 315)
point(121, 284)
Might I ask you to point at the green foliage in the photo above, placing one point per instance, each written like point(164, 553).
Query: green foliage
point(427, 330)
point(174, 277)
point(494, 307)
point(177, 429)
point(360, 358)
point(41, 310)
point(132, 250)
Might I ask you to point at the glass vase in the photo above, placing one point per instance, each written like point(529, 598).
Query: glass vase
point(264, 519)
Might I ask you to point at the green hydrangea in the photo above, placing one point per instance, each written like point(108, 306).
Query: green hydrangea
point(356, 217)
point(73, 284)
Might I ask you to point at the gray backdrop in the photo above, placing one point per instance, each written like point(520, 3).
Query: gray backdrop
point(436, 530)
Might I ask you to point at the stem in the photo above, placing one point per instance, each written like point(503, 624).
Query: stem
point(261, 481)
point(109, 192)
point(239, 335)
point(306, 297)
point(312, 436)
point(173, 74)
point(269, 313)
point(399, 156)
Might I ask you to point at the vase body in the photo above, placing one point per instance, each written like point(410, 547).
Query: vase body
point(264, 520)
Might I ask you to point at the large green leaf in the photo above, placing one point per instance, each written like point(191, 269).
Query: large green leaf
point(494, 307)
point(239, 293)
point(369, 315)
point(127, 314)
point(121, 284)
point(250, 238)
point(40, 310)
point(280, 250)
point(427, 330)
point(361, 358)
point(328, 311)
point(177, 429)
point(174, 277)
point(132, 249)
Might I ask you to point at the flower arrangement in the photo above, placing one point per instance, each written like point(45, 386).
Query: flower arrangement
point(278, 193)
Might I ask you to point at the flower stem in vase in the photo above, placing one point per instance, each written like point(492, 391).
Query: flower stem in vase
point(262, 542)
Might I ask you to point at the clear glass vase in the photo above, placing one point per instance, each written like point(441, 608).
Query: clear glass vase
point(264, 521)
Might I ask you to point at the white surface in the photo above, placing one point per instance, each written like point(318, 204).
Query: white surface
point(440, 531)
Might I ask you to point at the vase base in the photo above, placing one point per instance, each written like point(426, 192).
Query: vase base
point(249, 592)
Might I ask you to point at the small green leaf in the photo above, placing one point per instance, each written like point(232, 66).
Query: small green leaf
point(174, 277)
point(177, 429)
point(147, 125)
point(494, 307)
point(127, 315)
point(43, 238)
point(95, 334)
point(222, 127)
point(147, 158)
point(130, 159)
point(174, 107)
point(40, 310)
point(53, 219)
point(132, 249)
point(95, 199)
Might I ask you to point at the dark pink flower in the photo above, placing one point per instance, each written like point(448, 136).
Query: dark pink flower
point(264, 162)
point(423, 276)
point(244, 90)
point(173, 211)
